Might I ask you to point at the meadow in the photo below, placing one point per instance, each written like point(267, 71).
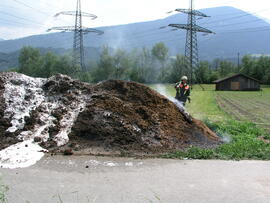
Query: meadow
point(208, 104)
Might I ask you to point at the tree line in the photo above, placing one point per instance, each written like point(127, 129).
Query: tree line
point(141, 65)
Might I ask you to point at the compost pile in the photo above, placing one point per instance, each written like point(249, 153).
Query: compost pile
point(65, 115)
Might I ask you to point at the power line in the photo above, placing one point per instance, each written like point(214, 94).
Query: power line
point(7, 22)
point(135, 39)
point(191, 48)
point(149, 42)
point(26, 5)
point(53, 8)
point(21, 18)
point(142, 34)
point(35, 9)
point(239, 16)
point(79, 31)
point(5, 6)
point(258, 29)
point(29, 7)
point(165, 40)
point(153, 36)
point(240, 23)
point(175, 40)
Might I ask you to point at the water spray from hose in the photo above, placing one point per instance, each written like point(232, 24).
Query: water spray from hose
point(161, 90)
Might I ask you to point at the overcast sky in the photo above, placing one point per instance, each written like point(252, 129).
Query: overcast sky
point(19, 18)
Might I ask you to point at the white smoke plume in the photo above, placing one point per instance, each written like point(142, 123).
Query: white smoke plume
point(161, 90)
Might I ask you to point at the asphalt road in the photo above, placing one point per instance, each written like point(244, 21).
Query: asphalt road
point(101, 179)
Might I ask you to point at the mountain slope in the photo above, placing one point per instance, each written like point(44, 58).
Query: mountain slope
point(236, 31)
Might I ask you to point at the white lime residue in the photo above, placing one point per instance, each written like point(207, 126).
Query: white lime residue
point(21, 155)
point(109, 163)
point(16, 92)
point(93, 162)
point(136, 128)
point(107, 114)
point(128, 164)
point(41, 130)
point(67, 122)
point(96, 163)
point(23, 95)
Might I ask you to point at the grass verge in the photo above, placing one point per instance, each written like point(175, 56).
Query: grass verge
point(242, 140)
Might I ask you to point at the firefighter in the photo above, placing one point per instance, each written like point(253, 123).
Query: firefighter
point(182, 90)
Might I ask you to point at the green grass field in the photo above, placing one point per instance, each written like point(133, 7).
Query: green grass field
point(212, 105)
point(247, 106)
point(203, 104)
point(241, 119)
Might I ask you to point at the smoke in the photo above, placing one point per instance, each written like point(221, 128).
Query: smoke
point(162, 90)
point(117, 41)
point(226, 138)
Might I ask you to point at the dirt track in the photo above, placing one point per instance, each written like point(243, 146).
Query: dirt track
point(128, 180)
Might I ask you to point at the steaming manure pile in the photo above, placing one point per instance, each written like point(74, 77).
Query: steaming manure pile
point(61, 114)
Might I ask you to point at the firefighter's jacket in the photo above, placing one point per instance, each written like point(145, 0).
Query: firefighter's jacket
point(182, 91)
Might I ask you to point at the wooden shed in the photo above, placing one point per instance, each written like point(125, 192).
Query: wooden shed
point(238, 82)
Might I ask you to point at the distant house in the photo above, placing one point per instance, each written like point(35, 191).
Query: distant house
point(238, 82)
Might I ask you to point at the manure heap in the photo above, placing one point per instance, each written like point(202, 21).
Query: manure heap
point(59, 114)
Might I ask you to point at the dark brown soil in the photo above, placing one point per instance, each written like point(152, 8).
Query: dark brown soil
point(127, 116)
point(120, 117)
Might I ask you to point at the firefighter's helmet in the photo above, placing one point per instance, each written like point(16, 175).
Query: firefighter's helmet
point(184, 78)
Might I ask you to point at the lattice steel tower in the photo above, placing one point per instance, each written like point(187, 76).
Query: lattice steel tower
point(191, 49)
point(79, 31)
point(78, 49)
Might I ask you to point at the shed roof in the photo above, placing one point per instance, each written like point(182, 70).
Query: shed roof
point(233, 76)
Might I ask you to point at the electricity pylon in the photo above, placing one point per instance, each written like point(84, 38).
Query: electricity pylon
point(191, 49)
point(79, 31)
